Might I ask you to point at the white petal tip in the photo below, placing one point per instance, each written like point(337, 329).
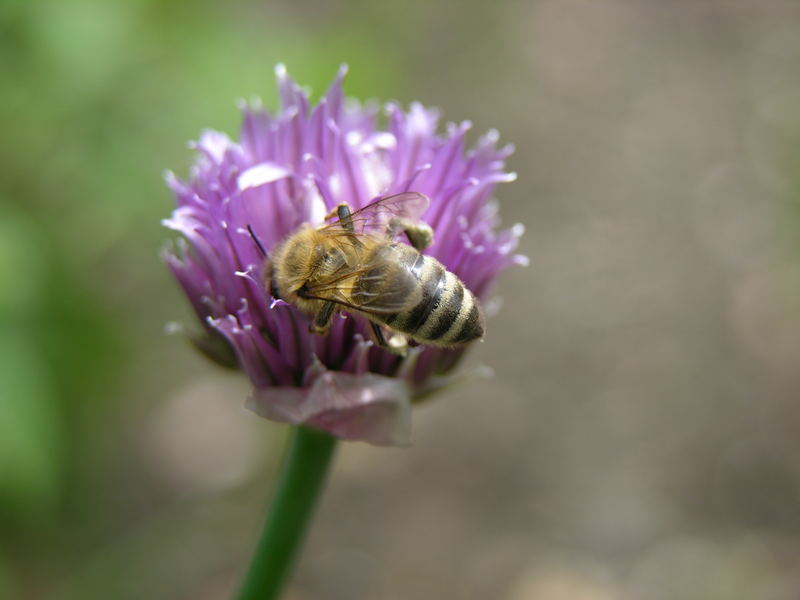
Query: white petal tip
point(277, 302)
point(261, 174)
point(521, 260)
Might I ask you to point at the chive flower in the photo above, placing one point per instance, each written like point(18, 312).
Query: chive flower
point(295, 167)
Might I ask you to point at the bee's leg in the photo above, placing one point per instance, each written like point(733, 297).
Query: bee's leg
point(396, 344)
point(334, 214)
point(376, 329)
point(322, 320)
point(342, 212)
point(419, 234)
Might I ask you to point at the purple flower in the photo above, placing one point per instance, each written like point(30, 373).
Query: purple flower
point(293, 168)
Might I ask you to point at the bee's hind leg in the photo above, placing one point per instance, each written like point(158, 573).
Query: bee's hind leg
point(378, 333)
point(419, 234)
point(397, 344)
point(322, 320)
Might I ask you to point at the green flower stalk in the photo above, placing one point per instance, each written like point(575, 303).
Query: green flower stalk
point(299, 486)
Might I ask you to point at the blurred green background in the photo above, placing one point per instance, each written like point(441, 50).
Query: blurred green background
point(640, 437)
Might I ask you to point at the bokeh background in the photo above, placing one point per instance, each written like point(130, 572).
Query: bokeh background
point(639, 439)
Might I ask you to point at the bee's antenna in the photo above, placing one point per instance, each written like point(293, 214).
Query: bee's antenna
point(255, 239)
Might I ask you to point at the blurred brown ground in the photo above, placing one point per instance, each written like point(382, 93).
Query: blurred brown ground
point(640, 437)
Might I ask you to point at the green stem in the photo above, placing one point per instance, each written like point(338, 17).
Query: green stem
point(300, 482)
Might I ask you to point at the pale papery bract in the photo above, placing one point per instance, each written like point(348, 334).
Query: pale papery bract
point(292, 168)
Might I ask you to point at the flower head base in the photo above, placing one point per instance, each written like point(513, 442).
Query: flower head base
point(294, 168)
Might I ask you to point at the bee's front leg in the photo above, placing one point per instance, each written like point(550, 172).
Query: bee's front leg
point(419, 234)
point(322, 320)
point(342, 212)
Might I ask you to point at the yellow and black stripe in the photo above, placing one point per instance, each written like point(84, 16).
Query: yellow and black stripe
point(448, 314)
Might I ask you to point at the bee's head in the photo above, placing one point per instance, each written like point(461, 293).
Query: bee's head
point(303, 260)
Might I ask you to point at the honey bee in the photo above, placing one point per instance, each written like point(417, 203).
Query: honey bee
point(355, 265)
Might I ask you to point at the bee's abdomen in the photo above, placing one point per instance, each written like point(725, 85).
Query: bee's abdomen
point(448, 313)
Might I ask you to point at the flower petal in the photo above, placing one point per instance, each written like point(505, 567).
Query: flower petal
point(294, 166)
point(261, 174)
point(369, 407)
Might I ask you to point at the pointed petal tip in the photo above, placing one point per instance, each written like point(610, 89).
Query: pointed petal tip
point(169, 254)
point(261, 174)
point(280, 71)
point(253, 104)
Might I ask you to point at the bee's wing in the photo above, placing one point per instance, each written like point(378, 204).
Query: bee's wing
point(375, 217)
point(381, 285)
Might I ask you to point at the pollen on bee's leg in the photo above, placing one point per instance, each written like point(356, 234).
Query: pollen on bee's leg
point(318, 329)
point(419, 234)
point(397, 344)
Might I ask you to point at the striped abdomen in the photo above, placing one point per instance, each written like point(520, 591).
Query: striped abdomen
point(448, 313)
